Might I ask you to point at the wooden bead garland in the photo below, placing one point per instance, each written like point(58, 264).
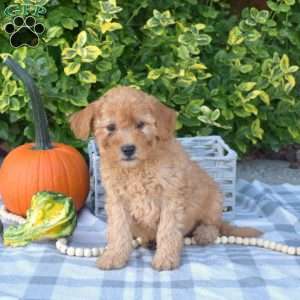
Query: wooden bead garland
point(9, 217)
point(62, 247)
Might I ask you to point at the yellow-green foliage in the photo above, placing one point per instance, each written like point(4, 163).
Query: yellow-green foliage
point(224, 75)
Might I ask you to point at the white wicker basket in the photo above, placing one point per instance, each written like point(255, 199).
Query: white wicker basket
point(211, 153)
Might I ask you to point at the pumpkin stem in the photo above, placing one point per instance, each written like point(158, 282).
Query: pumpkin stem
point(42, 137)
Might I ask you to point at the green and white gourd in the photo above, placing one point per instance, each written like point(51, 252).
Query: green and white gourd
point(62, 243)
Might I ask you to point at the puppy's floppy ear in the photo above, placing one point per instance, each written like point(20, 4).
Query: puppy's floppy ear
point(81, 122)
point(165, 118)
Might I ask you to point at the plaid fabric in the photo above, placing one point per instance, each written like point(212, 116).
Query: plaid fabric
point(213, 272)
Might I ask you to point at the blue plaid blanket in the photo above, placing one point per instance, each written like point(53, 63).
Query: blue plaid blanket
point(212, 272)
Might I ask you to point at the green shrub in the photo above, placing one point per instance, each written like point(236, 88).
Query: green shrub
point(234, 77)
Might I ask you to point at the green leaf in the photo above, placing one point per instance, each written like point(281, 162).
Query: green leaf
point(241, 146)
point(210, 12)
point(262, 16)
point(194, 106)
point(110, 7)
point(253, 36)
point(4, 103)
point(14, 104)
point(6, 72)
point(287, 100)
point(271, 23)
point(87, 77)
point(250, 22)
point(200, 26)
point(264, 97)
point(253, 12)
point(205, 110)
point(154, 74)
point(246, 86)
point(29, 132)
point(228, 114)
point(89, 53)
point(284, 7)
point(72, 68)
point(284, 63)
point(69, 23)
point(204, 39)
point(289, 2)
point(293, 69)
point(81, 39)
point(4, 130)
point(274, 6)
point(183, 52)
point(151, 23)
point(68, 53)
point(10, 88)
point(215, 115)
point(291, 82)
point(235, 36)
point(198, 67)
point(110, 26)
point(81, 102)
point(294, 132)
point(178, 125)
point(54, 32)
point(245, 68)
point(256, 130)
point(20, 54)
point(252, 95)
point(250, 108)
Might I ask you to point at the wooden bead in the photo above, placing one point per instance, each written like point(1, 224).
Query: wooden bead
point(95, 252)
point(58, 244)
point(266, 244)
point(272, 245)
point(194, 242)
point(260, 242)
point(278, 247)
point(246, 241)
point(139, 240)
point(70, 251)
point(79, 252)
point(61, 244)
point(87, 252)
point(224, 239)
point(63, 249)
point(135, 243)
point(9, 217)
point(284, 249)
point(218, 240)
point(188, 241)
point(63, 241)
point(239, 240)
point(291, 250)
point(231, 240)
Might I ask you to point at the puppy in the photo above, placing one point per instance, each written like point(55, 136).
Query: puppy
point(154, 191)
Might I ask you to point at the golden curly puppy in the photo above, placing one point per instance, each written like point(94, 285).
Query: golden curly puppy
point(154, 190)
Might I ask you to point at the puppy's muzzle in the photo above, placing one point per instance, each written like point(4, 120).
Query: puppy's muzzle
point(128, 151)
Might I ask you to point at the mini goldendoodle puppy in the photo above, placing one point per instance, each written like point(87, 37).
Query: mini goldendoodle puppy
point(154, 191)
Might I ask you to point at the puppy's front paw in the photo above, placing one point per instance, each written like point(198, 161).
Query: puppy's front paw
point(109, 261)
point(164, 262)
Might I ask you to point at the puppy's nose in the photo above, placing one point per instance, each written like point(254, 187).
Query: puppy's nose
point(128, 150)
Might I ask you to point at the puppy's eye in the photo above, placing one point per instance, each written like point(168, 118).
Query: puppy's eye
point(111, 127)
point(140, 125)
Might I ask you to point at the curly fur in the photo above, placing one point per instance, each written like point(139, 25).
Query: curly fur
point(160, 195)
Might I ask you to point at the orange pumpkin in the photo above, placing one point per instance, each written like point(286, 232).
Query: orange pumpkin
point(41, 166)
